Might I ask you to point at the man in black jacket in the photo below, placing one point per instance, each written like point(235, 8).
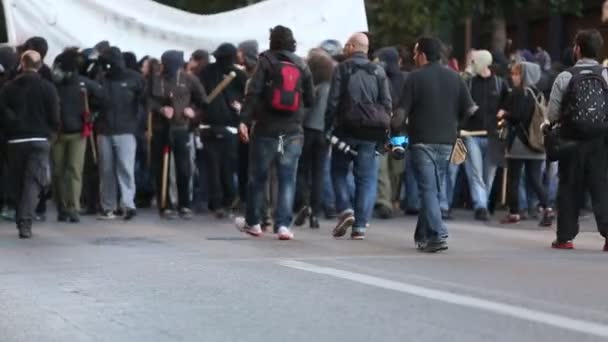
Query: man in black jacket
point(68, 150)
point(358, 113)
point(220, 139)
point(116, 127)
point(276, 135)
point(436, 100)
point(172, 98)
point(29, 110)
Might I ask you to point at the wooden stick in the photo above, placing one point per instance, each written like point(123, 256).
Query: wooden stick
point(464, 133)
point(163, 194)
point(220, 87)
point(503, 199)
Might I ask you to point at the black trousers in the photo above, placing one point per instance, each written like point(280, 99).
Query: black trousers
point(309, 184)
point(533, 177)
point(180, 145)
point(90, 181)
point(243, 170)
point(30, 174)
point(221, 155)
point(582, 169)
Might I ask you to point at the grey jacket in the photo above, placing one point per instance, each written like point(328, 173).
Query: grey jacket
point(316, 115)
point(561, 86)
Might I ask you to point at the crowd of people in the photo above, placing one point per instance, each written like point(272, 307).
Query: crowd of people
point(345, 132)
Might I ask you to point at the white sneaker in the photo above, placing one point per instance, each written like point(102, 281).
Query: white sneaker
point(242, 226)
point(284, 233)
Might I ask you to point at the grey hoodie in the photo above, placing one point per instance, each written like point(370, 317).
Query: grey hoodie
point(531, 74)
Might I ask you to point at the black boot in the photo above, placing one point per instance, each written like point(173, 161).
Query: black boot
point(25, 229)
point(314, 222)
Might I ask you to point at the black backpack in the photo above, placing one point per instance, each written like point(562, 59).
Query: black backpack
point(360, 95)
point(585, 109)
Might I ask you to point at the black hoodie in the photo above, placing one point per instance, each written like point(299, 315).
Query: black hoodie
point(220, 112)
point(123, 91)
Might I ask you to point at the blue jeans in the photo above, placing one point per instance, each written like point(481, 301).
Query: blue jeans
point(448, 186)
point(411, 199)
point(329, 197)
point(263, 151)
point(365, 170)
point(474, 166)
point(550, 182)
point(430, 165)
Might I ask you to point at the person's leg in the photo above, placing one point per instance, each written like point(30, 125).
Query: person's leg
point(304, 180)
point(74, 164)
point(340, 168)
point(182, 152)
point(396, 169)
point(125, 146)
point(319, 158)
point(513, 192)
point(597, 184)
point(60, 178)
point(287, 167)
point(474, 170)
point(570, 194)
point(412, 199)
point(365, 168)
point(229, 170)
point(261, 155)
point(533, 178)
point(385, 191)
point(37, 178)
point(17, 162)
point(329, 197)
point(430, 172)
point(107, 173)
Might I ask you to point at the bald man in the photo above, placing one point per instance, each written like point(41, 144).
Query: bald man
point(358, 114)
point(29, 116)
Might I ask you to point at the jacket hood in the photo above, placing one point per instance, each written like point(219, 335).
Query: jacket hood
point(113, 57)
point(250, 50)
point(225, 54)
point(321, 66)
point(531, 74)
point(389, 56)
point(173, 62)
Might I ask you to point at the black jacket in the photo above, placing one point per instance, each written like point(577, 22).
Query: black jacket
point(122, 93)
point(256, 109)
point(220, 112)
point(71, 100)
point(336, 102)
point(29, 108)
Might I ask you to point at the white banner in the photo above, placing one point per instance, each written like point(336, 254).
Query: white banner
point(149, 28)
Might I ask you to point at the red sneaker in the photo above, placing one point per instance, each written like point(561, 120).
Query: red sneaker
point(562, 245)
point(511, 219)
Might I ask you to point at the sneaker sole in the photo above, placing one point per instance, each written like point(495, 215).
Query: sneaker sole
point(106, 218)
point(357, 238)
point(285, 237)
point(563, 247)
point(341, 229)
point(254, 234)
point(436, 249)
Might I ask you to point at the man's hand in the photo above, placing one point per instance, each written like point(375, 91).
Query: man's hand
point(244, 133)
point(189, 113)
point(236, 105)
point(167, 112)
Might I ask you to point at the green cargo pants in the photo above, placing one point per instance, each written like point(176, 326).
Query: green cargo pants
point(67, 154)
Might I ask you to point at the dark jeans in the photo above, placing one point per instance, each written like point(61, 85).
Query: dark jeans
point(264, 153)
point(365, 170)
point(430, 163)
point(243, 170)
point(580, 170)
point(221, 157)
point(533, 178)
point(30, 174)
point(310, 171)
point(180, 146)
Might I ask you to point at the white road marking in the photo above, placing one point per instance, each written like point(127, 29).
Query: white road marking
point(558, 321)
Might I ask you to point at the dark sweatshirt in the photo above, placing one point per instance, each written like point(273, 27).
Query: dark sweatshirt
point(174, 88)
point(487, 93)
point(268, 122)
point(123, 90)
point(72, 105)
point(435, 100)
point(29, 108)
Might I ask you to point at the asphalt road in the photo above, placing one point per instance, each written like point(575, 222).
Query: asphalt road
point(204, 281)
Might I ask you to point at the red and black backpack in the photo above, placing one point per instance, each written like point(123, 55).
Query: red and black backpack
point(284, 86)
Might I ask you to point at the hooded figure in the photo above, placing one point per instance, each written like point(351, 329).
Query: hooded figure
point(390, 59)
point(113, 63)
point(39, 45)
point(220, 145)
point(248, 55)
point(519, 107)
point(172, 99)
